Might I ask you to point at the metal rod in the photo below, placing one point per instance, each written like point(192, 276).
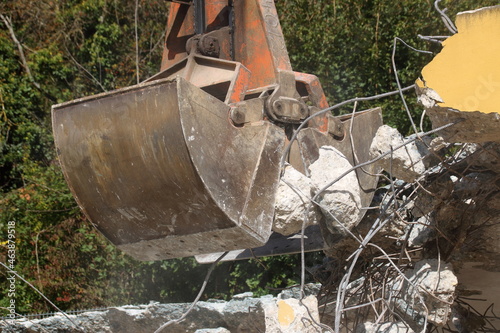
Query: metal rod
point(199, 16)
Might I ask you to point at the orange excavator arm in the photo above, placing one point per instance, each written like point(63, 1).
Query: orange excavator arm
point(188, 162)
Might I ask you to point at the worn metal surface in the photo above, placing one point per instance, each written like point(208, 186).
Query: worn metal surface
point(226, 80)
point(308, 85)
point(284, 104)
point(277, 245)
point(257, 40)
point(160, 171)
point(181, 27)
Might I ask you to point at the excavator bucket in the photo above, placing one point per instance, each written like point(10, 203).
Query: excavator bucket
point(188, 162)
point(161, 173)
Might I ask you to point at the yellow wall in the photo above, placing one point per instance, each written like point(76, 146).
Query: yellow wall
point(466, 73)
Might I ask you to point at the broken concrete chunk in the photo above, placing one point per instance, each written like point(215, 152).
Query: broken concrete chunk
point(428, 148)
point(462, 83)
point(293, 198)
point(484, 156)
point(427, 97)
point(291, 315)
point(237, 315)
point(247, 294)
point(269, 314)
point(437, 144)
point(475, 183)
point(213, 330)
point(404, 163)
point(427, 292)
point(341, 202)
point(294, 292)
point(421, 231)
point(470, 127)
point(370, 327)
point(465, 320)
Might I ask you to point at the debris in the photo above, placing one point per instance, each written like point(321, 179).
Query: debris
point(291, 315)
point(293, 198)
point(473, 127)
point(213, 330)
point(484, 156)
point(404, 163)
point(474, 183)
point(245, 313)
point(294, 292)
point(370, 327)
point(427, 294)
point(341, 202)
point(424, 204)
point(464, 320)
point(241, 314)
point(430, 149)
point(244, 295)
point(437, 144)
point(421, 231)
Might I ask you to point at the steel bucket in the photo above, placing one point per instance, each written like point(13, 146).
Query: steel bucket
point(162, 172)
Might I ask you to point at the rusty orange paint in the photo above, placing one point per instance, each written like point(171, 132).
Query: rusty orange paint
point(216, 14)
point(258, 44)
point(251, 48)
point(258, 41)
point(316, 93)
point(274, 35)
point(180, 28)
point(240, 86)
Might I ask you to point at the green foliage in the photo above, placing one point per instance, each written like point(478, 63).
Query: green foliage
point(269, 275)
point(72, 49)
point(82, 47)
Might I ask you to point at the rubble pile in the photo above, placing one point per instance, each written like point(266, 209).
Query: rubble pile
point(430, 228)
point(285, 313)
